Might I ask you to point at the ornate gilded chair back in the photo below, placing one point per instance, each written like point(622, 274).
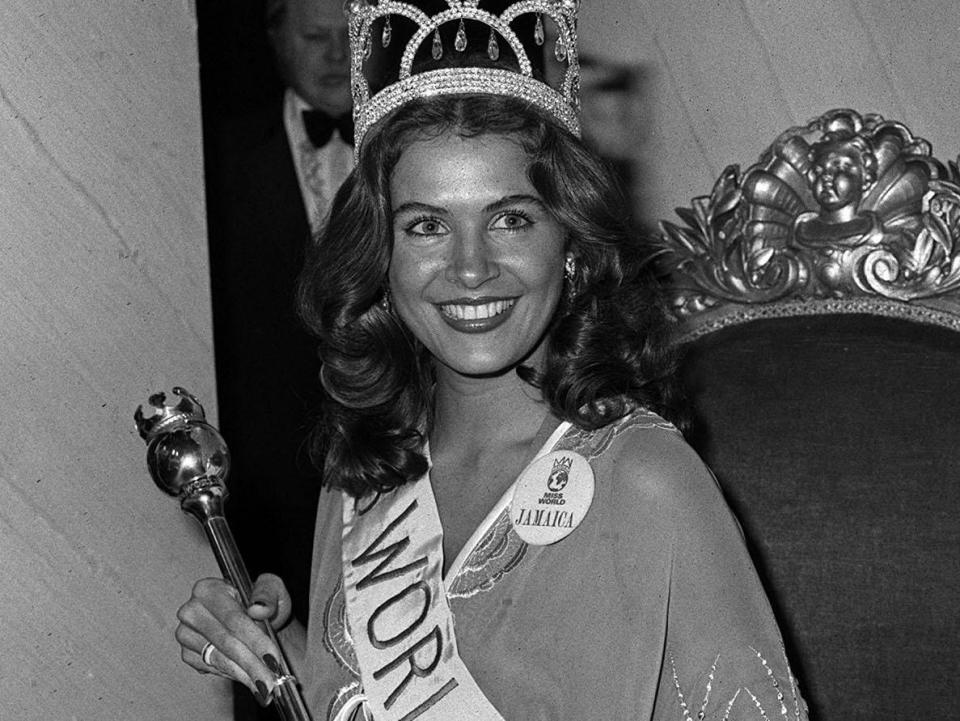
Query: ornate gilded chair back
point(817, 295)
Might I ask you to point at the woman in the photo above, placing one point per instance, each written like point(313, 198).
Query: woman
point(511, 299)
point(511, 531)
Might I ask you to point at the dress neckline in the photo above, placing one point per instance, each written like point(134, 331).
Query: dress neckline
point(499, 507)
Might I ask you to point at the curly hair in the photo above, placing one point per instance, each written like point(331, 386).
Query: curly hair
point(607, 347)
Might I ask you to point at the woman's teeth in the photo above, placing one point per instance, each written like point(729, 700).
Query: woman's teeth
point(475, 312)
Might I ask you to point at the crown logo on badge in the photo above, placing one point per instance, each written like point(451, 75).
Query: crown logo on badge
point(559, 474)
point(379, 22)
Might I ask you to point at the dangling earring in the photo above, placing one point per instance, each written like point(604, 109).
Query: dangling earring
point(569, 277)
point(385, 302)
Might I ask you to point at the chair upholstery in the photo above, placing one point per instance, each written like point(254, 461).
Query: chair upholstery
point(821, 321)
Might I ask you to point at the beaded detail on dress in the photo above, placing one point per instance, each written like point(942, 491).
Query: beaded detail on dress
point(745, 703)
point(591, 444)
point(497, 553)
point(336, 633)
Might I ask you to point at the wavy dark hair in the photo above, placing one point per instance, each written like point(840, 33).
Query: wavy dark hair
point(607, 348)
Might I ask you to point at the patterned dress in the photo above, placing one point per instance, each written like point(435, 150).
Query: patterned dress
point(650, 609)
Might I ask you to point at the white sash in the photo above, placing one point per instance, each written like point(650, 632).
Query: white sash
point(401, 625)
point(397, 611)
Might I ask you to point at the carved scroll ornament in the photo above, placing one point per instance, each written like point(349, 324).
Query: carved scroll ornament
point(850, 213)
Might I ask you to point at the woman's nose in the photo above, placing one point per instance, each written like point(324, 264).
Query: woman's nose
point(472, 262)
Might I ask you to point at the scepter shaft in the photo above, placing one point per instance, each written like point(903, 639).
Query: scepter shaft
point(288, 699)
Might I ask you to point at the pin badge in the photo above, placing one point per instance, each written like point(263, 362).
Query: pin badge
point(551, 497)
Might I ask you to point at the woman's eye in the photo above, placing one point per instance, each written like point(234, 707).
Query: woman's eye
point(426, 226)
point(511, 221)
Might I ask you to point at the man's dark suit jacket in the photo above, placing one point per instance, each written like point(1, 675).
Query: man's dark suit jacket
point(266, 362)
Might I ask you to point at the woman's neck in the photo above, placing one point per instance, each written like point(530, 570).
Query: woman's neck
point(471, 414)
point(485, 431)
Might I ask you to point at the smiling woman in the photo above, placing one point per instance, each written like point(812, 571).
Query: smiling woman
point(477, 263)
point(512, 529)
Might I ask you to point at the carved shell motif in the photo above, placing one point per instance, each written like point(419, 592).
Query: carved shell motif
point(847, 207)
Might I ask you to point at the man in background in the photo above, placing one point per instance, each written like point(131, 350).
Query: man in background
point(272, 171)
point(312, 53)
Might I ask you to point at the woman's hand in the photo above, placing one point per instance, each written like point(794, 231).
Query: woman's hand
point(241, 649)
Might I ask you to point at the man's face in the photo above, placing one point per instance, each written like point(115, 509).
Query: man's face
point(313, 53)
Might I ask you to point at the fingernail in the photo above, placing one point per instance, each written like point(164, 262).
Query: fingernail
point(261, 693)
point(271, 661)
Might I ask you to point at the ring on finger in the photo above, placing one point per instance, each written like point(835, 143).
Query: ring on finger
point(207, 652)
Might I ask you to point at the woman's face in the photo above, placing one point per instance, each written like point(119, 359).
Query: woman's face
point(477, 265)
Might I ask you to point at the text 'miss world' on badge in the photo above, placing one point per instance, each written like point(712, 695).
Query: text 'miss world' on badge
point(551, 497)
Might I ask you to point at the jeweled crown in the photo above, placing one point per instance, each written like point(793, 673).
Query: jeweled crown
point(375, 23)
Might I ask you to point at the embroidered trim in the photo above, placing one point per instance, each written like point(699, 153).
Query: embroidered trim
point(499, 552)
point(346, 704)
point(591, 444)
point(799, 711)
point(336, 634)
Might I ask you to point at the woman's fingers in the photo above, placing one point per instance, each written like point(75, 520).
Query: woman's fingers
point(270, 601)
point(203, 656)
point(214, 615)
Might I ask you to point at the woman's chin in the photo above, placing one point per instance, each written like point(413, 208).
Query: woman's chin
point(481, 367)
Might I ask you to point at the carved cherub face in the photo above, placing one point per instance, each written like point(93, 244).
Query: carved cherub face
point(841, 174)
point(838, 179)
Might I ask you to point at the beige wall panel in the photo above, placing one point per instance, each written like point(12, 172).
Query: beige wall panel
point(723, 79)
point(104, 298)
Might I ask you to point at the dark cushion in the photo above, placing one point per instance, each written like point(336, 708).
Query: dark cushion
point(837, 441)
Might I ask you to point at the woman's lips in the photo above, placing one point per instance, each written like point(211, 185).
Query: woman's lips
point(476, 316)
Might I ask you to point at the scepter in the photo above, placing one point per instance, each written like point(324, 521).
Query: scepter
point(188, 459)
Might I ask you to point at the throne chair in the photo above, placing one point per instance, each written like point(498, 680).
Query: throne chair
point(817, 299)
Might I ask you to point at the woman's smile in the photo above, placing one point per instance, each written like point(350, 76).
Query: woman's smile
point(476, 316)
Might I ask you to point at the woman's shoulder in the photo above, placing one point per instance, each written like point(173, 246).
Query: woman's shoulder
point(639, 440)
point(644, 462)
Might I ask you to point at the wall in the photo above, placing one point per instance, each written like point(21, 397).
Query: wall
point(103, 299)
point(720, 80)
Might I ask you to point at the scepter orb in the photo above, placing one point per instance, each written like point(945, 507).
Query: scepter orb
point(186, 456)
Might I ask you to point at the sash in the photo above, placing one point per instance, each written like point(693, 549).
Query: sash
point(397, 611)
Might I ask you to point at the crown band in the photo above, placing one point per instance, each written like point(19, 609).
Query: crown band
point(461, 81)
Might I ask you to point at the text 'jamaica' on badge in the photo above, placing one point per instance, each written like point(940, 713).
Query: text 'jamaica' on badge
point(551, 497)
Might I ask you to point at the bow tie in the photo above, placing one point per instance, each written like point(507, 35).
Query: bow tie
point(319, 126)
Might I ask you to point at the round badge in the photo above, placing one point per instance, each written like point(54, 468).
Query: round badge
point(551, 497)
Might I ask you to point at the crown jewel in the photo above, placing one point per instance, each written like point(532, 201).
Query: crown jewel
point(561, 98)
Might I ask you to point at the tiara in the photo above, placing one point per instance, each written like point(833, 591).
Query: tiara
point(561, 100)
